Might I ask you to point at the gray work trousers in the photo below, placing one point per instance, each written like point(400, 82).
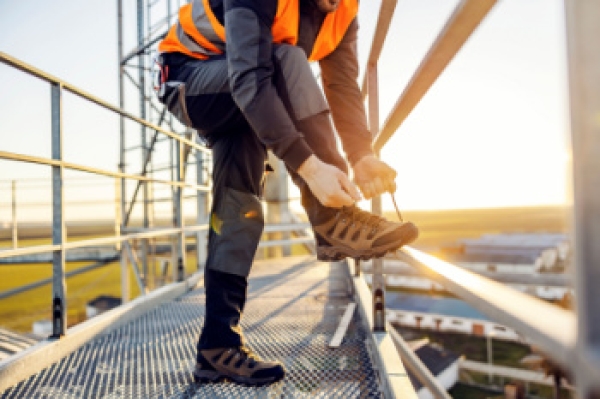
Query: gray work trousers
point(198, 94)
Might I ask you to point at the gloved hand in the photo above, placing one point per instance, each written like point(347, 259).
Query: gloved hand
point(374, 177)
point(331, 186)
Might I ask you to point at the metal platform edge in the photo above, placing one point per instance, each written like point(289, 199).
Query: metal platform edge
point(395, 383)
point(47, 352)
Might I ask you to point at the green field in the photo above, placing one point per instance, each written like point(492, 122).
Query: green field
point(18, 312)
point(443, 228)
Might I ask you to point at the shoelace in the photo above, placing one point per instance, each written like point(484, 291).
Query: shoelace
point(355, 214)
point(396, 206)
point(248, 354)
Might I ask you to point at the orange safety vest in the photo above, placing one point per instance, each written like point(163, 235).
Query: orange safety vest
point(199, 34)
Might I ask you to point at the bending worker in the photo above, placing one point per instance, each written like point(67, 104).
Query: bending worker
point(237, 71)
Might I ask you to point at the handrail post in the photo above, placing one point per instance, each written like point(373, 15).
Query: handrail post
point(179, 269)
point(143, 140)
point(125, 292)
point(584, 81)
point(15, 233)
point(201, 215)
point(377, 282)
point(59, 288)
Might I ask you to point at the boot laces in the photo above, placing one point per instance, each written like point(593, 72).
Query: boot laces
point(246, 353)
point(357, 215)
point(396, 206)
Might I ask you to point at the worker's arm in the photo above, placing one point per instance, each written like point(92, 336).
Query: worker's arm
point(339, 72)
point(249, 54)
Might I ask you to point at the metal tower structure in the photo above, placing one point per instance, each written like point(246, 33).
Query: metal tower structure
point(144, 204)
point(142, 152)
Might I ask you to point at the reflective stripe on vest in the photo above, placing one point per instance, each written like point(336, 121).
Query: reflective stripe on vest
point(199, 34)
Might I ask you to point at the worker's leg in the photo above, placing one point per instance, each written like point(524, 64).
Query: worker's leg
point(235, 229)
point(236, 225)
point(238, 167)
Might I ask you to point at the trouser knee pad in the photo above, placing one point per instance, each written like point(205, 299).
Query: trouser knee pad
point(236, 226)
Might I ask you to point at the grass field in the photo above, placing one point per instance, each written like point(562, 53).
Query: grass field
point(19, 311)
point(437, 229)
point(443, 228)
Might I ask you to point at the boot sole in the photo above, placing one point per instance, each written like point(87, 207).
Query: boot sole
point(336, 253)
point(208, 376)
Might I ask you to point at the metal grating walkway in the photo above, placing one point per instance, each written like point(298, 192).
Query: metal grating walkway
point(293, 310)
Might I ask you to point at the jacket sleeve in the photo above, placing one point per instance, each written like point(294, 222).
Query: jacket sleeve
point(339, 71)
point(249, 54)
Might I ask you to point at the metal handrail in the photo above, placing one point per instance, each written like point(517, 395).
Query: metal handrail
point(153, 233)
point(384, 19)
point(57, 164)
point(31, 70)
point(11, 156)
point(466, 17)
point(571, 341)
point(531, 317)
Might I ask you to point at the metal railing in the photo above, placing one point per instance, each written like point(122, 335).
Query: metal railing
point(572, 340)
point(59, 244)
point(51, 350)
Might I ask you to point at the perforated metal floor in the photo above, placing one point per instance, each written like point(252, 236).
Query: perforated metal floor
point(293, 310)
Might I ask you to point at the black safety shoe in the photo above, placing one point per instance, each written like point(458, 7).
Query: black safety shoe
point(359, 234)
point(240, 365)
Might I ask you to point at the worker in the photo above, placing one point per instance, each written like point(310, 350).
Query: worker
point(238, 72)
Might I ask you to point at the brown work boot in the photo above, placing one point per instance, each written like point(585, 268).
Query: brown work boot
point(359, 234)
point(240, 365)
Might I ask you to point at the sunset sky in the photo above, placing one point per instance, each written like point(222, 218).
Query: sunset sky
point(492, 132)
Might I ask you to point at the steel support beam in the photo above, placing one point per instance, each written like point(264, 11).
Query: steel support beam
point(20, 65)
point(125, 292)
point(59, 234)
point(531, 317)
point(146, 162)
point(201, 210)
point(15, 233)
point(179, 250)
point(584, 80)
point(466, 17)
point(394, 378)
point(378, 282)
point(68, 165)
point(386, 12)
point(416, 366)
point(143, 139)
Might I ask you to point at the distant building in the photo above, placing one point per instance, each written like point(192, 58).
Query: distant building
point(454, 324)
point(515, 253)
point(101, 304)
point(443, 365)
